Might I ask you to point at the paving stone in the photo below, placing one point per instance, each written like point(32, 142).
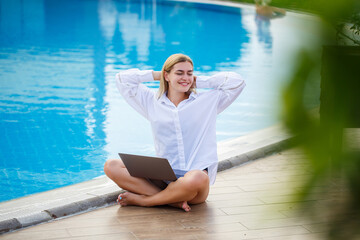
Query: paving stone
point(238, 160)
point(8, 225)
point(64, 210)
point(225, 164)
point(255, 154)
point(33, 219)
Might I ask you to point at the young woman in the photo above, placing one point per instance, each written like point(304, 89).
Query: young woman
point(184, 128)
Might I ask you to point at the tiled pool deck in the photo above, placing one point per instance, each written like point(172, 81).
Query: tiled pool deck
point(248, 201)
point(101, 192)
point(252, 201)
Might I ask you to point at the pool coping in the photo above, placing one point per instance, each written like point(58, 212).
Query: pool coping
point(102, 192)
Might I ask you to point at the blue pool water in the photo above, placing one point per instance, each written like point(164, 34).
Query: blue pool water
point(61, 116)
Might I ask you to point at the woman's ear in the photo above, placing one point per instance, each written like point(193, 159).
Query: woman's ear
point(193, 86)
point(166, 75)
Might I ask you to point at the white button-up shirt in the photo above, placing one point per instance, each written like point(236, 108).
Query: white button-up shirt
point(186, 134)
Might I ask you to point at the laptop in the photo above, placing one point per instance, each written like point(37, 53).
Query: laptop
point(148, 167)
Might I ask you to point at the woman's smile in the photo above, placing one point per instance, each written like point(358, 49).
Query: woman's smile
point(185, 84)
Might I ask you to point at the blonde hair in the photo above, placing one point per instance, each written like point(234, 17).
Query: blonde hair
point(167, 67)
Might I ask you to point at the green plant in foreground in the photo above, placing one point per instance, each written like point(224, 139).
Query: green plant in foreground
point(334, 168)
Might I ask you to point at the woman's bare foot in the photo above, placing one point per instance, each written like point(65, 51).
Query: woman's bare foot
point(129, 198)
point(182, 205)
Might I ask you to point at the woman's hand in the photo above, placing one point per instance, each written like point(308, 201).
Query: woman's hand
point(156, 75)
point(194, 82)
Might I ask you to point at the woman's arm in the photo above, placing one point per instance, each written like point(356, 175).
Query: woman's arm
point(156, 75)
point(228, 84)
point(133, 77)
point(136, 94)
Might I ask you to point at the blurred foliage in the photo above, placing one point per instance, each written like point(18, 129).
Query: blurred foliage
point(351, 33)
point(336, 12)
point(334, 168)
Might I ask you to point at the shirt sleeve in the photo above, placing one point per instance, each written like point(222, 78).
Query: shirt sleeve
point(136, 94)
point(229, 85)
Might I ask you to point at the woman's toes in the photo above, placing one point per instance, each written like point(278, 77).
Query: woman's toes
point(186, 206)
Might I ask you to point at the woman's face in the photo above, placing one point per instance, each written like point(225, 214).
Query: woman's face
point(180, 78)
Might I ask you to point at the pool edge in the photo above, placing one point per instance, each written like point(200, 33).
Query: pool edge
point(233, 152)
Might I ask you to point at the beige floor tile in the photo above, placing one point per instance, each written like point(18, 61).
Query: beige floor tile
point(117, 236)
point(214, 228)
point(251, 234)
point(264, 208)
point(239, 196)
point(284, 186)
point(185, 234)
point(224, 183)
point(275, 223)
point(36, 235)
point(257, 180)
point(309, 236)
point(222, 190)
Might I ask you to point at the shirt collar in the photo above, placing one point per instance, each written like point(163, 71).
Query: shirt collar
point(193, 95)
point(165, 99)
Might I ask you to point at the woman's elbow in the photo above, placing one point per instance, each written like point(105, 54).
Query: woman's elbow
point(237, 81)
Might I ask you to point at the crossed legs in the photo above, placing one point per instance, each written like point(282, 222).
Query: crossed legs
point(193, 188)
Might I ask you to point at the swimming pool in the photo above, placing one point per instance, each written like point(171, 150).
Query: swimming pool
point(61, 115)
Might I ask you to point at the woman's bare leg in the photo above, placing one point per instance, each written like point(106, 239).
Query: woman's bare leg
point(116, 171)
point(192, 188)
